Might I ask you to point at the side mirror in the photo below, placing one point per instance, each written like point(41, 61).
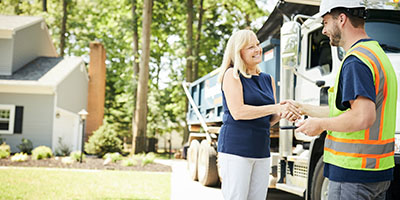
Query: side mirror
point(290, 44)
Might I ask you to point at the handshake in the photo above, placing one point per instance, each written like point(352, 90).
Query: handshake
point(290, 110)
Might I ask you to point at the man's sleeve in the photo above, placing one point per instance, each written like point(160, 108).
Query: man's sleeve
point(357, 80)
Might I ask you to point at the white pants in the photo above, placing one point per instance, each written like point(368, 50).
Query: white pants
point(244, 178)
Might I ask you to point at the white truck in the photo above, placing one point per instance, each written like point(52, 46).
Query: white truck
point(304, 65)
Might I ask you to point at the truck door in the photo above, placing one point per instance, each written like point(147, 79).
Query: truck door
point(316, 64)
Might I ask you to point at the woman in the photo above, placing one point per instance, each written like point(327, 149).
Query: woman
point(249, 112)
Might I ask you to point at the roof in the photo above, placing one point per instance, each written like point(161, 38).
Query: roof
point(41, 76)
point(272, 27)
point(10, 24)
point(33, 70)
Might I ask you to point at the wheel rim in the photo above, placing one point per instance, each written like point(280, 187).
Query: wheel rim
point(324, 189)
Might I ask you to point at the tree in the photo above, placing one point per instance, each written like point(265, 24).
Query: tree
point(139, 128)
point(197, 47)
point(44, 5)
point(189, 55)
point(63, 28)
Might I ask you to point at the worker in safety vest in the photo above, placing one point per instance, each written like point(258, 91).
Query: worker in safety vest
point(360, 119)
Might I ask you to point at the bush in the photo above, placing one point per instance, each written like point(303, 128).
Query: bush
point(19, 157)
point(129, 162)
point(149, 158)
point(41, 152)
point(62, 149)
point(113, 156)
point(76, 156)
point(25, 146)
point(4, 150)
point(104, 140)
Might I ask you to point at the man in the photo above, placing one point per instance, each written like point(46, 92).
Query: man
point(360, 120)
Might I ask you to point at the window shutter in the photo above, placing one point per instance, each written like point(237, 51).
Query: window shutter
point(19, 110)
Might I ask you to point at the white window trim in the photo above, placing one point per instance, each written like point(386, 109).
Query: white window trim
point(11, 119)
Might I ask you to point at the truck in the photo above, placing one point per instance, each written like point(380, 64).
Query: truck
point(304, 65)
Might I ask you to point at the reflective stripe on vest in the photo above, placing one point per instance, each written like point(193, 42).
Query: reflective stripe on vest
point(366, 145)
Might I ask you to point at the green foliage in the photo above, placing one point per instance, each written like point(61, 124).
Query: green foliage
point(4, 150)
point(76, 156)
point(19, 157)
point(148, 159)
point(104, 140)
point(113, 156)
point(25, 146)
point(41, 152)
point(62, 149)
point(127, 162)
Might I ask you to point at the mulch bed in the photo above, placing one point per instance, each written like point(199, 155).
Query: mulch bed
point(88, 163)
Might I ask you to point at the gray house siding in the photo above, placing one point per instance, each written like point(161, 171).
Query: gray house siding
point(25, 47)
point(72, 92)
point(6, 46)
point(37, 124)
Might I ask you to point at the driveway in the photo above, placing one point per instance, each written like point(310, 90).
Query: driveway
point(183, 188)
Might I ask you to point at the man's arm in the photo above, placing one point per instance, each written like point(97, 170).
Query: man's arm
point(361, 116)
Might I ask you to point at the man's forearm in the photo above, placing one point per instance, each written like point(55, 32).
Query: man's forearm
point(314, 111)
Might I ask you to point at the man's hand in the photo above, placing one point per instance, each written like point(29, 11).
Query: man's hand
point(310, 126)
point(290, 110)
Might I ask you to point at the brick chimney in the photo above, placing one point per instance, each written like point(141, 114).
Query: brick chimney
point(97, 87)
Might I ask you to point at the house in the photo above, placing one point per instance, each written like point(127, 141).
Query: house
point(40, 93)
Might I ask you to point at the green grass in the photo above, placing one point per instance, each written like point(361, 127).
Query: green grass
point(40, 183)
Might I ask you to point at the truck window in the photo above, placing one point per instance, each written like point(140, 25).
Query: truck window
point(319, 52)
point(389, 40)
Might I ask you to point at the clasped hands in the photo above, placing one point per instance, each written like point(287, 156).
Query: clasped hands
point(292, 111)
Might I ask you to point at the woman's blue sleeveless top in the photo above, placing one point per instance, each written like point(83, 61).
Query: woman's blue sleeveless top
point(248, 138)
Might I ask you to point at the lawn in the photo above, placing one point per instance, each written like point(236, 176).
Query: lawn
point(41, 183)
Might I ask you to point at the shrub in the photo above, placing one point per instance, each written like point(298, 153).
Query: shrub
point(25, 146)
point(67, 160)
point(129, 162)
point(104, 140)
point(19, 157)
point(76, 156)
point(113, 156)
point(41, 152)
point(149, 158)
point(4, 150)
point(62, 149)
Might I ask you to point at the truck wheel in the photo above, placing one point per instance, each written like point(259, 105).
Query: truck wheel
point(207, 165)
point(192, 155)
point(319, 187)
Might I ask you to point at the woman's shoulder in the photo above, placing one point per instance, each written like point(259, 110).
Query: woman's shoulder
point(265, 75)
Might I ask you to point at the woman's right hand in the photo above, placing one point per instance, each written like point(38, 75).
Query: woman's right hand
point(289, 110)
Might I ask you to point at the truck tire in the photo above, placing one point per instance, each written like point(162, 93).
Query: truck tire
point(319, 187)
point(207, 165)
point(192, 156)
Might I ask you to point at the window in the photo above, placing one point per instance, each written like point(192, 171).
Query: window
point(319, 52)
point(7, 116)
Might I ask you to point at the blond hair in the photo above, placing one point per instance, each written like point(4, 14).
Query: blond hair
point(232, 56)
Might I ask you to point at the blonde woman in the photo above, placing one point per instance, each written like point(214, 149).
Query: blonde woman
point(250, 110)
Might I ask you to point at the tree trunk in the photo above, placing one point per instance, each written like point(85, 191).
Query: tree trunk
point(136, 59)
point(139, 129)
point(63, 28)
point(189, 57)
point(135, 39)
point(197, 47)
point(44, 5)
